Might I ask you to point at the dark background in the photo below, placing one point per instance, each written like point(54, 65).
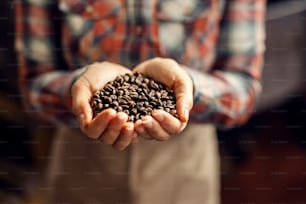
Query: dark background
point(263, 161)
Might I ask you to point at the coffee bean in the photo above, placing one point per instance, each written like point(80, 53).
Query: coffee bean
point(127, 112)
point(126, 77)
point(96, 96)
point(122, 101)
point(134, 111)
point(133, 95)
point(115, 103)
point(153, 85)
point(125, 107)
point(131, 103)
point(131, 118)
point(146, 80)
point(100, 106)
point(101, 93)
point(120, 92)
point(136, 95)
point(127, 97)
point(113, 97)
point(137, 116)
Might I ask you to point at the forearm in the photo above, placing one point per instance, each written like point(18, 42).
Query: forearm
point(227, 95)
point(48, 96)
point(224, 98)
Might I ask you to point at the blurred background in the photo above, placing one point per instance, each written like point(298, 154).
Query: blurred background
point(262, 162)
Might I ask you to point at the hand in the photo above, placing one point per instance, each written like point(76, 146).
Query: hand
point(161, 125)
point(108, 126)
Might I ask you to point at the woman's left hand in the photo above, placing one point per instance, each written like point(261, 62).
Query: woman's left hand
point(161, 125)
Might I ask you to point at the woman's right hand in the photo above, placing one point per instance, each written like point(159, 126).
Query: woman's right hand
point(108, 126)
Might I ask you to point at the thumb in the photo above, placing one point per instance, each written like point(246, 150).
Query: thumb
point(183, 91)
point(81, 96)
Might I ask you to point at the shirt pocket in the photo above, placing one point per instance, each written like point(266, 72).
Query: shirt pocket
point(82, 16)
point(179, 17)
point(87, 26)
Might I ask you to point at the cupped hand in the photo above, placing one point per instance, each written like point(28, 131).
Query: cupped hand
point(108, 126)
point(161, 125)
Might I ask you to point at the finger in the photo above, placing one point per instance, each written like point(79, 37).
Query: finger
point(141, 67)
point(169, 123)
point(154, 129)
point(125, 137)
point(113, 130)
point(98, 125)
point(81, 95)
point(141, 131)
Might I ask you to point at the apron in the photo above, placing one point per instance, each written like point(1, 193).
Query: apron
point(182, 170)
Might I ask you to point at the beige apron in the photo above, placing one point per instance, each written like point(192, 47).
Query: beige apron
point(183, 170)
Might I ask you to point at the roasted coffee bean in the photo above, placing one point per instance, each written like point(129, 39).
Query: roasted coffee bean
point(137, 116)
point(142, 109)
point(127, 112)
point(138, 81)
point(134, 111)
point(100, 106)
point(113, 97)
point(125, 107)
point(96, 96)
point(101, 93)
point(146, 80)
point(142, 98)
point(136, 95)
point(115, 103)
point(144, 86)
point(126, 77)
point(127, 97)
point(120, 92)
point(122, 101)
point(131, 118)
point(131, 103)
point(119, 80)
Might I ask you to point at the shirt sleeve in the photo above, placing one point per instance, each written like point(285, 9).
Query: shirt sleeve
point(227, 95)
point(44, 79)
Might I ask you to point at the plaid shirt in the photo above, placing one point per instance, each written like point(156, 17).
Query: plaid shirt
point(220, 43)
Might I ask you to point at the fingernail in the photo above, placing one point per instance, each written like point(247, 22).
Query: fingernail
point(186, 113)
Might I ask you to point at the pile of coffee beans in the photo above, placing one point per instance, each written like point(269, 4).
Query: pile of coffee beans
point(136, 95)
